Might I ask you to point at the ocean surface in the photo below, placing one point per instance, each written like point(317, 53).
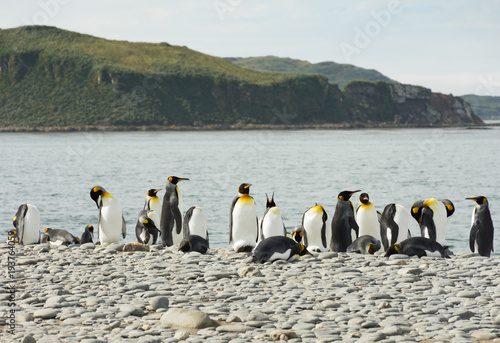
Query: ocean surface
point(55, 172)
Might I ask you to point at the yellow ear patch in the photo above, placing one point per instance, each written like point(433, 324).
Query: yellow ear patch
point(15, 217)
point(484, 200)
point(170, 179)
point(45, 231)
point(396, 248)
point(449, 207)
point(145, 221)
point(415, 209)
point(89, 226)
point(341, 197)
point(96, 189)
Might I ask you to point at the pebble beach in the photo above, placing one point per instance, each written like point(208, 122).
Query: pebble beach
point(95, 294)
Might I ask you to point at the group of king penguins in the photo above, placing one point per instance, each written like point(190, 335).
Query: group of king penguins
point(361, 230)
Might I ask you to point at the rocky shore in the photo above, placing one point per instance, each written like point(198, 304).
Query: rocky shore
point(101, 294)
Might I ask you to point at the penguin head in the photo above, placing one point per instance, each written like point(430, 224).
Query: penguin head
point(303, 250)
point(372, 248)
point(270, 203)
point(479, 200)
point(47, 231)
point(152, 192)
point(95, 193)
point(298, 233)
point(90, 229)
point(364, 198)
point(244, 188)
point(346, 195)
point(393, 249)
point(175, 179)
point(431, 203)
point(185, 245)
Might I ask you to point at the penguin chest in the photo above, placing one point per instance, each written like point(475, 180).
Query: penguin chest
point(402, 219)
point(440, 219)
point(110, 224)
point(286, 255)
point(155, 206)
point(313, 225)
point(31, 232)
point(367, 220)
point(272, 225)
point(198, 224)
point(244, 221)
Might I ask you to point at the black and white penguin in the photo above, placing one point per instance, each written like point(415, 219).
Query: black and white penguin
point(243, 229)
point(417, 246)
point(367, 217)
point(195, 222)
point(343, 223)
point(278, 248)
point(272, 222)
point(87, 235)
point(13, 236)
point(298, 234)
point(171, 228)
point(431, 215)
point(153, 203)
point(27, 224)
point(58, 237)
point(314, 224)
point(194, 243)
point(111, 223)
point(146, 230)
point(394, 225)
point(365, 244)
point(481, 231)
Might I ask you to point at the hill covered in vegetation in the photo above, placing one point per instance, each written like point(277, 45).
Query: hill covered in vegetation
point(486, 107)
point(56, 79)
point(337, 73)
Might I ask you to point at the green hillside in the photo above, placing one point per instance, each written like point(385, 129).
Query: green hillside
point(56, 79)
point(487, 107)
point(340, 74)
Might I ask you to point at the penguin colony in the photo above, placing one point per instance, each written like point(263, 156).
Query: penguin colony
point(359, 230)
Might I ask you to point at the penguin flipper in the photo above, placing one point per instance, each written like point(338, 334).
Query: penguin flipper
point(354, 226)
point(473, 237)
point(231, 219)
point(177, 218)
point(187, 218)
point(323, 235)
point(124, 227)
point(21, 213)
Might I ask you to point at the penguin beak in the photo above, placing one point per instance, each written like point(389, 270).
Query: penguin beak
point(183, 179)
point(359, 190)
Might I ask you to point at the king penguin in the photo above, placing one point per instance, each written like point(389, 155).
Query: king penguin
point(243, 229)
point(417, 246)
point(367, 218)
point(343, 222)
point(298, 234)
point(481, 231)
point(365, 244)
point(272, 222)
point(146, 230)
point(314, 224)
point(394, 225)
point(58, 237)
point(111, 223)
point(171, 214)
point(195, 222)
point(278, 248)
point(432, 214)
point(194, 243)
point(27, 224)
point(87, 235)
point(153, 203)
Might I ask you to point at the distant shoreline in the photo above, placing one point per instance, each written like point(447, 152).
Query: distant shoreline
point(235, 127)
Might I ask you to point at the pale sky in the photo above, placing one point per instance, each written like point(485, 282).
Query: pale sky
point(448, 46)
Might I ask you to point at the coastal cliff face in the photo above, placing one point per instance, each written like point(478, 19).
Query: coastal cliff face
point(63, 80)
point(407, 104)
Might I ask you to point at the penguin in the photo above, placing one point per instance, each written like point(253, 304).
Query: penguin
point(145, 229)
point(110, 223)
point(298, 234)
point(58, 237)
point(153, 203)
point(394, 225)
point(314, 224)
point(13, 236)
point(194, 243)
point(431, 215)
point(172, 231)
point(278, 248)
point(367, 218)
point(272, 222)
point(195, 222)
point(343, 222)
point(481, 231)
point(27, 224)
point(87, 235)
point(365, 244)
point(243, 229)
point(417, 246)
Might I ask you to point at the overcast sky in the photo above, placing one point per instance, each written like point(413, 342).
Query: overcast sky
point(448, 46)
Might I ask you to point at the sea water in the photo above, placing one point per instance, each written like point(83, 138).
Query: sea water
point(55, 172)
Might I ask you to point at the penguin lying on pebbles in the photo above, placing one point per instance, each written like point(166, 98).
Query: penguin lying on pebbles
point(194, 243)
point(417, 246)
point(278, 248)
point(58, 237)
point(365, 244)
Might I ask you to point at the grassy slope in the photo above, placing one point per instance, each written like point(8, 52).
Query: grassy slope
point(340, 74)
